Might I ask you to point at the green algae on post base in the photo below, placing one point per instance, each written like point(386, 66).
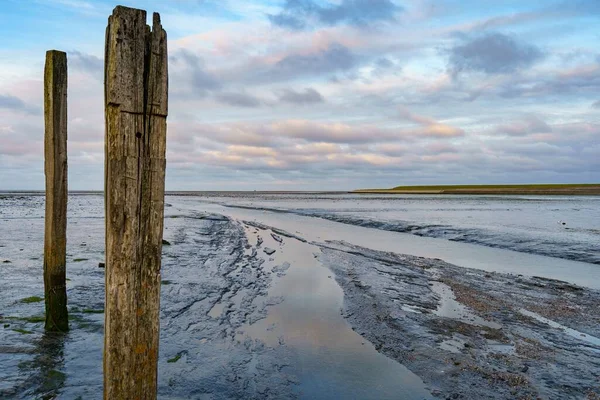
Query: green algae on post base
point(176, 358)
point(23, 331)
point(32, 299)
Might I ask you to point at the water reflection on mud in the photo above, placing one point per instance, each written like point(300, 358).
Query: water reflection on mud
point(41, 363)
point(48, 364)
point(333, 361)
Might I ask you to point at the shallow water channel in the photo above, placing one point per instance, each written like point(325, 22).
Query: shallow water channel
point(334, 361)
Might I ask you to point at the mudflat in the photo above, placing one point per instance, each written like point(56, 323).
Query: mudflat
point(258, 302)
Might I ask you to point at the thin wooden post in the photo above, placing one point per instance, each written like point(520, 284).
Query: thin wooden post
point(55, 168)
point(136, 86)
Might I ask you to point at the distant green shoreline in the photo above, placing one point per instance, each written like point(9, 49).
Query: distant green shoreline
point(541, 189)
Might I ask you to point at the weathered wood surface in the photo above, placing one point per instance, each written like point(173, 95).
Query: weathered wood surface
point(136, 87)
point(55, 169)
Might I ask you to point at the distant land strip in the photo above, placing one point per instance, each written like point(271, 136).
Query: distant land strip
point(570, 189)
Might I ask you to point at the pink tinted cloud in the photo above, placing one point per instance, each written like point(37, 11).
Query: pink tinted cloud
point(429, 127)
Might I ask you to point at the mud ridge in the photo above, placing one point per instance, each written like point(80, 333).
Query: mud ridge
point(463, 331)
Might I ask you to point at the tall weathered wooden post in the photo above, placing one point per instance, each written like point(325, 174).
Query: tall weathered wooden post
point(136, 86)
point(55, 168)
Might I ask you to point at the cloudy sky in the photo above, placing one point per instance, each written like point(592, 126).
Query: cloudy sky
point(325, 94)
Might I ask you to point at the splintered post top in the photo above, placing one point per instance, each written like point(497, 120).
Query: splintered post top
point(132, 51)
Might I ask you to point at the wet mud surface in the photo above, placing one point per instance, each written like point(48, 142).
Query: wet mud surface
point(252, 311)
point(473, 334)
point(206, 267)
